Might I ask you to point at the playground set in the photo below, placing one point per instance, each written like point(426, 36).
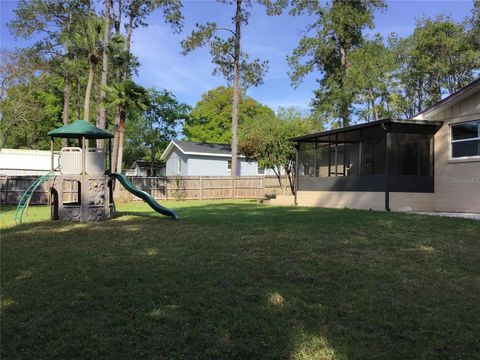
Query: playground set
point(81, 188)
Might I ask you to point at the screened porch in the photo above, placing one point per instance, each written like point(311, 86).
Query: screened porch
point(382, 156)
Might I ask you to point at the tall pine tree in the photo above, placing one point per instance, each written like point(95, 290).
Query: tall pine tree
point(335, 32)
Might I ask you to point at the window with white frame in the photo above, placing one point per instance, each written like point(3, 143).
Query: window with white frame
point(229, 165)
point(179, 166)
point(465, 139)
point(260, 170)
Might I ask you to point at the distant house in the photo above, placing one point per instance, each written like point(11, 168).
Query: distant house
point(22, 162)
point(188, 158)
point(146, 168)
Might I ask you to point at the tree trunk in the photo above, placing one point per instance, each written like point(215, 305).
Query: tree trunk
point(291, 178)
point(343, 57)
point(152, 159)
point(66, 105)
point(236, 91)
point(372, 104)
point(121, 111)
point(118, 77)
point(278, 174)
point(115, 140)
point(88, 91)
point(420, 98)
point(344, 105)
point(66, 88)
point(121, 136)
point(118, 17)
point(375, 110)
point(101, 118)
point(77, 99)
point(129, 44)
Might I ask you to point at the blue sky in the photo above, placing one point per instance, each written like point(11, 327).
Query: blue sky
point(265, 37)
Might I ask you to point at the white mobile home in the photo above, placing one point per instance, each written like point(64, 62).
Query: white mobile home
point(23, 162)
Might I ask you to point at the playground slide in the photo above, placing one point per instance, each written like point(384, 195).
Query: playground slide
point(143, 195)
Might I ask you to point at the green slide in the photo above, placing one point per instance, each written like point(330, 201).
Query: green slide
point(143, 195)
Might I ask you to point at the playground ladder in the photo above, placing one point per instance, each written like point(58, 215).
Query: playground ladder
point(27, 196)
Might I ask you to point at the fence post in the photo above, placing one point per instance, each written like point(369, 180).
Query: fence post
point(263, 186)
point(201, 187)
point(164, 185)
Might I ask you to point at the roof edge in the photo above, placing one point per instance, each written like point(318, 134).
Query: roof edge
point(168, 150)
point(366, 125)
point(450, 100)
point(173, 144)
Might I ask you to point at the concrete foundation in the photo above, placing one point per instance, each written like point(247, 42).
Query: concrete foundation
point(360, 200)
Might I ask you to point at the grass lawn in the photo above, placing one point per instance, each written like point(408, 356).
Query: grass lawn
point(241, 280)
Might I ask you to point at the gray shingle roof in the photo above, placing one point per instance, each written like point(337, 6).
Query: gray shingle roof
point(204, 148)
point(198, 148)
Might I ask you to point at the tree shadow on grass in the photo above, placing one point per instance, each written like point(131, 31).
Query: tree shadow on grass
point(243, 281)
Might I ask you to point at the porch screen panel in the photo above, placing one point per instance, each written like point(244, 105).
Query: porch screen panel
point(412, 154)
point(373, 154)
point(352, 159)
point(306, 158)
point(322, 160)
point(337, 169)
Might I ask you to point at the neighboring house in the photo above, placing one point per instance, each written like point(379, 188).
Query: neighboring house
point(188, 158)
point(428, 163)
point(145, 168)
point(21, 162)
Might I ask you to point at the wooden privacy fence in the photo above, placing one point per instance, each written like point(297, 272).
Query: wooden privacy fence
point(12, 188)
point(205, 187)
point(161, 188)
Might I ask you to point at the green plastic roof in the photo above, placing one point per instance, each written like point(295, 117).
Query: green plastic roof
point(79, 129)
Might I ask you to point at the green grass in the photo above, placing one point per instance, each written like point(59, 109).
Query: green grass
point(241, 280)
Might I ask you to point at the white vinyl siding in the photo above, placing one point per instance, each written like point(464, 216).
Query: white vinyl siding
point(176, 164)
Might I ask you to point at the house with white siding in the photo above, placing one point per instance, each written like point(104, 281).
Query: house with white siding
point(187, 158)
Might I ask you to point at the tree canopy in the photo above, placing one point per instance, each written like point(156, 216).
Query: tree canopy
point(266, 138)
point(370, 78)
point(210, 119)
point(150, 131)
point(440, 57)
point(335, 31)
